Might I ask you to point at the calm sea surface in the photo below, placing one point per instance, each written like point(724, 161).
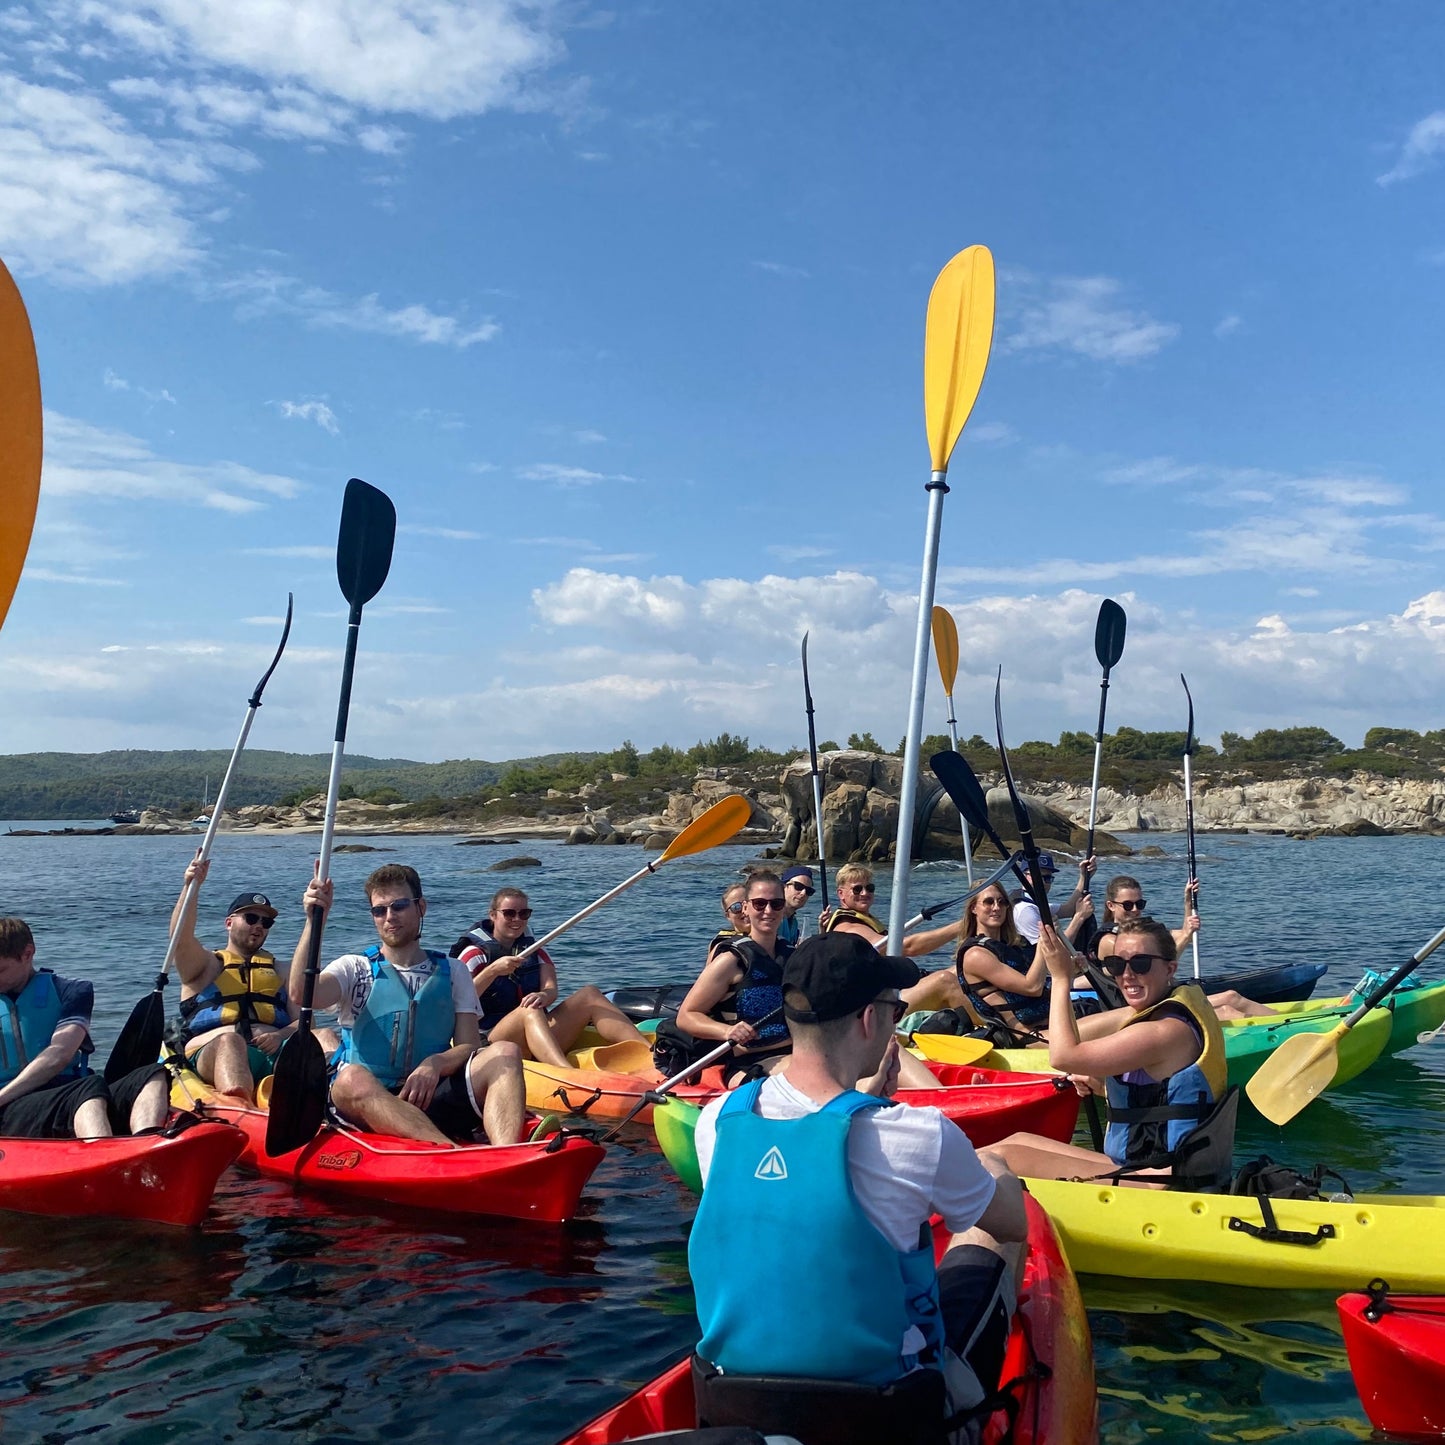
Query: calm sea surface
point(288, 1318)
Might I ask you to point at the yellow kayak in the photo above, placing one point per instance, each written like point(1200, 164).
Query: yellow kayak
point(1161, 1234)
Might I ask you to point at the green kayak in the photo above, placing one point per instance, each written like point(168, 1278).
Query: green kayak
point(674, 1121)
point(1413, 1011)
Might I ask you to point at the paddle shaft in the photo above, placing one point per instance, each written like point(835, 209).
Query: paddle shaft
point(1394, 981)
point(591, 908)
point(962, 821)
point(817, 777)
point(1035, 887)
point(903, 849)
point(1193, 899)
point(973, 892)
point(1098, 759)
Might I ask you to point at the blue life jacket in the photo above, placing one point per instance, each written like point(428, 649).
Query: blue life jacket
point(394, 1030)
point(760, 992)
point(507, 993)
point(779, 1205)
point(27, 1023)
point(1149, 1118)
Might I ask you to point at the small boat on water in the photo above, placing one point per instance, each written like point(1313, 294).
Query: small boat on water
point(1396, 1345)
point(1048, 1372)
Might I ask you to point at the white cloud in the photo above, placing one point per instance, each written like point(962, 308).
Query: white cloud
point(1423, 147)
point(447, 534)
point(588, 437)
point(1082, 315)
point(991, 433)
point(89, 461)
point(313, 553)
point(316, 411)
point(779, 268)
point(568, 476)
point(269, 293)
point(1228, 325)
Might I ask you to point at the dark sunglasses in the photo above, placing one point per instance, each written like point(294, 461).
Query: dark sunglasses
point(861, 888)
point(735, 907)
point(523, 913)
point(398, 905)
point(1131, 905)
point(896, 1004)
point(1141, 963)
point(991, 903)
point(253, 919)
point(803, 887)
point(763, 905)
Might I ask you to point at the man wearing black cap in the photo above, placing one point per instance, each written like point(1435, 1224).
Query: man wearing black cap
point(233, 1000)
point(797, 890)
point(826, 1192)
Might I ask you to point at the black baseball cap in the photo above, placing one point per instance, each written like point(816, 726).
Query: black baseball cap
point(242, 901)
point(838, 974)
point(797, 872)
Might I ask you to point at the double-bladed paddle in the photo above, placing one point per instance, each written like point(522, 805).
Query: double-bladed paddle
point(945, 652)
point(140, 1040)
point(363, 558)
point(958, 335)
point(926, 915)
point(1109, 632)
point(1193, 899)
point(961, 784)
point(21, 437)
point(719, 823)
point(816, 775)
point(1035, 881)
point(1304, 1064)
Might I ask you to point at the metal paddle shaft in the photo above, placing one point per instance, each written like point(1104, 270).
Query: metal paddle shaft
point(719, 823)
point(945, 653)
point(1303, 1066)
point(817, 777)
point(1035, 885)
point(958, 335)
point(1109, 632)
point(363, 558)
point(140, 1040)
point(1193, 899)
point(995, 877)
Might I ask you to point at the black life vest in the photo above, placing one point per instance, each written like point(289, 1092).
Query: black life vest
point(759, 992)
point(988, 998)
point(506, 993)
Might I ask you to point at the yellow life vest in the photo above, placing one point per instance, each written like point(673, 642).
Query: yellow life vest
point(1211, 1061)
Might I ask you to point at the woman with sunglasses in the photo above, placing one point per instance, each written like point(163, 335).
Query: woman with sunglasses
point(1124, 899)
point(1161, 1058)
point(735, 910)
point(518, 1000)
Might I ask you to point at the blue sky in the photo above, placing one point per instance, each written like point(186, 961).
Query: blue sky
point(624, 308)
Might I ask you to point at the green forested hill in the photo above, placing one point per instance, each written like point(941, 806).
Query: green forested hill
point(93, 785)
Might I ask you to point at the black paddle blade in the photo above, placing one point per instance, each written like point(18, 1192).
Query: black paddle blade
point(1109, 633)
point(266, 676)
point(1037, 891)
point(298, 1095)
point(952, 770)
point(1189, 735)
point(363, 548)
point(140, 1040)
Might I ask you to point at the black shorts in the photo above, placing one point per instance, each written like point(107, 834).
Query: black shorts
point(451, 1108)
point(49, 1113)
point(974, 1293)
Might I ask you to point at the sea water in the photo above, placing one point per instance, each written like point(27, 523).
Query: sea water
point(288, 1317)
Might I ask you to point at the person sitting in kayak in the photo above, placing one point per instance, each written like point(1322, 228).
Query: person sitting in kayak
point(811, 1182)
point(735, 910)
point(1124, 899)
point(1162, 1060)
point(856, 891)
point(234, 1011)
point(797, 890)
point(518, 1000)
point(411, 1061)
point(47, 1090)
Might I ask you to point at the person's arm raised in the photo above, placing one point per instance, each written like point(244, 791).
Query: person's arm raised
point(193, 959)
point(319, 894)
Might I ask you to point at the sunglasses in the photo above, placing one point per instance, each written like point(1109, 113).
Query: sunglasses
point(398, 905)
point(896, 1004)
point(764, 905)
point(1131, 905)
point(861, 888)
point(255, 919)
point(523, 913)
point(991, 903)
point(803, 889)
point(1141, 963)
point(735, 907)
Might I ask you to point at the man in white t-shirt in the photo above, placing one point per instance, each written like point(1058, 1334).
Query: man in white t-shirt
point(781, 1197)
point(411, 1061)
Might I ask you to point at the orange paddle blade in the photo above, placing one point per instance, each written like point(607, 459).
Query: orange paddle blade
point(708, 829)
point(956, 343)
point(20, 437)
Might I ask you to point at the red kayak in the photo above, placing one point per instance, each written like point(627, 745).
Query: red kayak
point(163, 1180)
point(1050, 1358)
point(541, 1181)
point(1396, 1345)
point(990, 1104)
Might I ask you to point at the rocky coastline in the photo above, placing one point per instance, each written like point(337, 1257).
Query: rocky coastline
point(860, 811)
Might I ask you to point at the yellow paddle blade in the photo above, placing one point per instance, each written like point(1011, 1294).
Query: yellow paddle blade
point(945, 647)
point(1296, 1073)
point(631, 1056)
point(956, 342)
point(715, 826)
point(950, 1048)
point(20, 437)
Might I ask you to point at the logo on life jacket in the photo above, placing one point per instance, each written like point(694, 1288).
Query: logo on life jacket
point(773, 1165)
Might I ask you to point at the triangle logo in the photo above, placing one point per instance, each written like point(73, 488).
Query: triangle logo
point(773, 1166)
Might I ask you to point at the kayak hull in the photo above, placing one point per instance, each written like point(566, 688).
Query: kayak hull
point(151, 1178)
point(1057, 1406)
point(1284, 983)
point(542, 1181)
point(1168, 1234)
point(1398, 1362)
point(1413, 1011)
point(986, 1105)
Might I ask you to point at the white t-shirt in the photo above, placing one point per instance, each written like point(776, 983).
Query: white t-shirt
point(353, 972)
point(906, 1163)
point(1027, 919)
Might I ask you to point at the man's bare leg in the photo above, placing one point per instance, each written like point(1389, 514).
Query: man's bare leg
point(92, 1121)
point(359, 1096)
point(495, 1076)
point(225, 1064)
point(152, 1105)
